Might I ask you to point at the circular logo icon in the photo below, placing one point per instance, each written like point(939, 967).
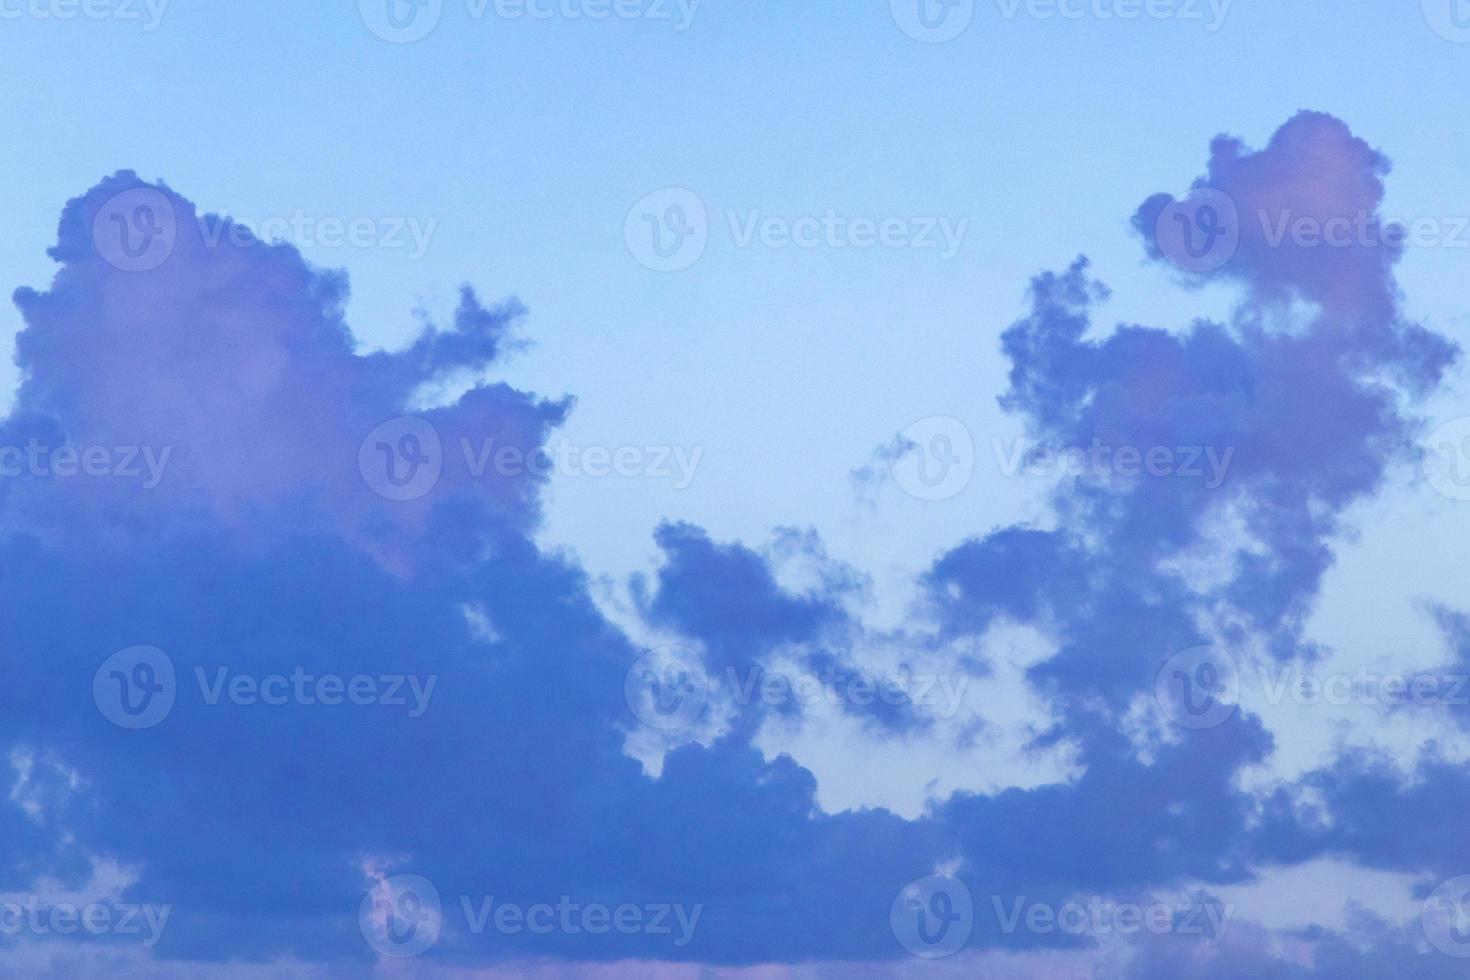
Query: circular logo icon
point(136, 230)
point(937, 460)
point(1199, 233)
point(667, 231)
point(667, 688)
point(1446, 917)
point(933, 916)
point(1450, 19)
point(1198, 688)
point(1446, 459)
point(401, 916)
point(932, 21)
point(135, 688)
point(401, 21)
point(402, 458)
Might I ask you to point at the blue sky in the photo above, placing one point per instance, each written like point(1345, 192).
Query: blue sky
point(511, 154)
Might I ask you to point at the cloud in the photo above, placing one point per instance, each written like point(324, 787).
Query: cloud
point(313, 516)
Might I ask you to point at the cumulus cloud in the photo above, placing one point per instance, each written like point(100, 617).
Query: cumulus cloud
point(313, 512)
